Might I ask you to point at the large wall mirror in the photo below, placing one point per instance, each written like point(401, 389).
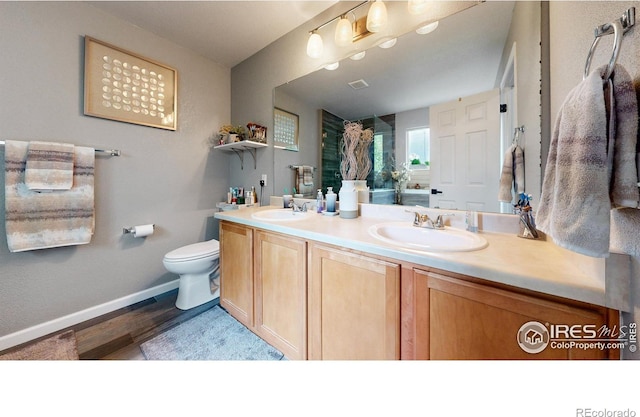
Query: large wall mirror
point(489, 53)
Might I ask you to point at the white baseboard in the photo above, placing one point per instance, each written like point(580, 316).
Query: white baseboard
point(52, 326)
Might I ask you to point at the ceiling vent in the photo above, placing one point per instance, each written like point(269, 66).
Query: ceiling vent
point(358, 84)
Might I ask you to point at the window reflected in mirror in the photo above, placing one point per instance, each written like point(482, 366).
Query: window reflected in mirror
point(418, 147)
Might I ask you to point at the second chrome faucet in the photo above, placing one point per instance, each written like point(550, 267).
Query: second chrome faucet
point(423, 220)
point(299, 207)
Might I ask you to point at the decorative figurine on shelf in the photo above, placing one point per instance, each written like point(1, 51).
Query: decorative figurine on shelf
point(257, 133)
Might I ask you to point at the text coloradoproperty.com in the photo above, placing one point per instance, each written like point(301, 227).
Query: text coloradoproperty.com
point(587, 345)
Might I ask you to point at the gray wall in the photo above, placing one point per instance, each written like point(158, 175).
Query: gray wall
point(308, 139)
point(253, 82)
point(571, 29)
point(163, 177)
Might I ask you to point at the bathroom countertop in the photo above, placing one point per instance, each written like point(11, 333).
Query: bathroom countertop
point(537, 265)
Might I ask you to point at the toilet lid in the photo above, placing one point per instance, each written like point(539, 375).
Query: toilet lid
point(194, 251)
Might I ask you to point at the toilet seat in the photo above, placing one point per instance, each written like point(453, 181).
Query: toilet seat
point(194, 251)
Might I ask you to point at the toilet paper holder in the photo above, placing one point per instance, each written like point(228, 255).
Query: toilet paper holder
point(132, 229)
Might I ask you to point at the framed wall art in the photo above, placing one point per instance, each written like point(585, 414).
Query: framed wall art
point(120, 85)
point(285, 130)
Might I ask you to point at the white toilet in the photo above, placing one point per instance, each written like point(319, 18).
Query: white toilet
point(195, 263)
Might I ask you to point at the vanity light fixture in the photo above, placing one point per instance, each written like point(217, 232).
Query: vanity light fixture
point(332, 67)
point(388, 43)
point(358, 56)
point(428, 28)
point(344, 34)
point(314, 45)
point(417, 7)
point(377, 16)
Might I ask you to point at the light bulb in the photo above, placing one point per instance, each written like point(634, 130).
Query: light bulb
point(344, 32)
point(377, 17)
point(423, 30)
point(314, 45)
point(417, 7)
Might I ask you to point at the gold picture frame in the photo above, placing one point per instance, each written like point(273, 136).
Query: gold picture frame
point(285, 130)
point(123, 86)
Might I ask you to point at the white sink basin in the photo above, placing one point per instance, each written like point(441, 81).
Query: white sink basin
point(280, 215)
point(405, 235)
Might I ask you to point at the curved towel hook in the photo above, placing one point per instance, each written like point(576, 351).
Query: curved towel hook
point(516, 134)
point(618, 33)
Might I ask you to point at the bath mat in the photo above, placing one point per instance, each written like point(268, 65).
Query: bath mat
point(212, 335)
point(59, 347)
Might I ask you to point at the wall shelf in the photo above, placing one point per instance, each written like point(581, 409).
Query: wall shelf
point(240, 147)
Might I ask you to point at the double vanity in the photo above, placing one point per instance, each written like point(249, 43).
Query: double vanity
point(376, 287)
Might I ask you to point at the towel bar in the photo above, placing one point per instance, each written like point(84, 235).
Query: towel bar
point(110, 152)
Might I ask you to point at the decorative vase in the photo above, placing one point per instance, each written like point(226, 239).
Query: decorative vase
point(348, 196)
point(232, 137)
point(398, 193)
point(363, 191)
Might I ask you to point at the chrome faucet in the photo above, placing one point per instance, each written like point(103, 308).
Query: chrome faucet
point(296, 207)
point(423, 220)
point(439, 224)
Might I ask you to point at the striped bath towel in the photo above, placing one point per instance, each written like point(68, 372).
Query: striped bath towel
point(47, 220)
point(304, 180)
point(307, 175)
point(623, 123)
point(49, 166)
point(591, 163)
point(512, 176)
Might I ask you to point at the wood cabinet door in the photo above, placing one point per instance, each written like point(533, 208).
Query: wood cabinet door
point(281, 292)
point(457, 319)
point(354, 310)
point(236, 271)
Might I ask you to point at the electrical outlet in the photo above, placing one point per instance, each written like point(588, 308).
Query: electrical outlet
point(264, 179)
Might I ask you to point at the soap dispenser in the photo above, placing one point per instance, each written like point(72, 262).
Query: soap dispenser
point(331, 200)
point(319, 201)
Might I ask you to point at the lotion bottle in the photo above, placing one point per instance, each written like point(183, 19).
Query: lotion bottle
point(319, 201)
point(331, 200)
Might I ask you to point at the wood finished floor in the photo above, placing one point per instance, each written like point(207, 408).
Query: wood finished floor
point(119, 334)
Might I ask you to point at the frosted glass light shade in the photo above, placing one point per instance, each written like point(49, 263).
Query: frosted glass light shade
point(417, 7)
point(423, 30)
point(358, 56)
point(377, 17)
point(332, 67)
point(388, 44)
point(314, 46)
point(344, 32)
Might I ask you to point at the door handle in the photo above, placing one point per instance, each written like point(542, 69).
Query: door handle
point(435, 191)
